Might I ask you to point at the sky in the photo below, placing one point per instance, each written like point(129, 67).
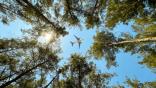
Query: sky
point(128, 64)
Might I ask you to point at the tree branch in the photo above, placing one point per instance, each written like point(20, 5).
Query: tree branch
point(44, 18)
point(53, 79)
point(22, 74)
point(150, 39)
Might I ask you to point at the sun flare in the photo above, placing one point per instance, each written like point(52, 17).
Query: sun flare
point(46, 37)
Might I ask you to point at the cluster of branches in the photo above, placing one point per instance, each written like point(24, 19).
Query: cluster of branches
point(20, 58)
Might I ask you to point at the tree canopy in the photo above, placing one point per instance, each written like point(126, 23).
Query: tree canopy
point(28, 63)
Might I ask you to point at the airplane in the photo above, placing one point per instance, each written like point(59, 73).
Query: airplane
point(72, 43)
point(77, 38)
point(79, 41)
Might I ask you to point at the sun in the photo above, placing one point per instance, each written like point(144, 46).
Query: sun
point(46, 37)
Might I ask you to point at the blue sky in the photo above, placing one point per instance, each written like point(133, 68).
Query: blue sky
point(13, 30)
point(128, 64)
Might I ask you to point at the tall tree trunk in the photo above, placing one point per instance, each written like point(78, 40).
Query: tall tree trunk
point(57, 74)
point(9, 76)
point(22, 74)
point(40, 14)
point(150, 39)
point(79, 77)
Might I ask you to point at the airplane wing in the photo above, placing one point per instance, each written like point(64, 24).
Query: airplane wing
point(79, 43)
point(72, 43)
point(76, 37)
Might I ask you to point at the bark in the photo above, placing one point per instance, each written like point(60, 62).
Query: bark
point(79, 77)
point(9, 76)
point(95, 7)
point(134, 41)
point(44, 18)
point(52, 80)
point(21, 75)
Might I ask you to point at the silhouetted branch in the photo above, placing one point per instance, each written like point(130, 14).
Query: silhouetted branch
point(57, 74)
point(22, 74)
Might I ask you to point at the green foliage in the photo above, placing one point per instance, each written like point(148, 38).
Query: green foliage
point(149, 84)
point(149, 60)
point(107, 45)
point(4, 20)
point(9, 44)
point(22, 57)
point(101, 40)
point(26, 83)
point(42, 80)
point(122, 11)
point(19, 55)
point(101, 47)
point(46, 3)
point(36, 13)
point(72, 19)
point(102, 80)
point(81, 74)
point(145, 27)
point(92, 21)
point(132, 83)
point(137, 84)
point(103, 3)
point(11, 62)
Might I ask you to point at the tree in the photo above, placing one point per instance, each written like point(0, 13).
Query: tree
point(149, 60)
point(22, 59)
point(138, 84)
point(80, 74)
point(105, 44)
point(95, 13)
point(20, 75)
point(31, 13)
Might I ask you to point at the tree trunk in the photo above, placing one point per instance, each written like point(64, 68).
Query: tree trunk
point(42, 17)
point(79, 77)
point(22, 74)
point(57, 74)
point(9, 76)
point(150, 39)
